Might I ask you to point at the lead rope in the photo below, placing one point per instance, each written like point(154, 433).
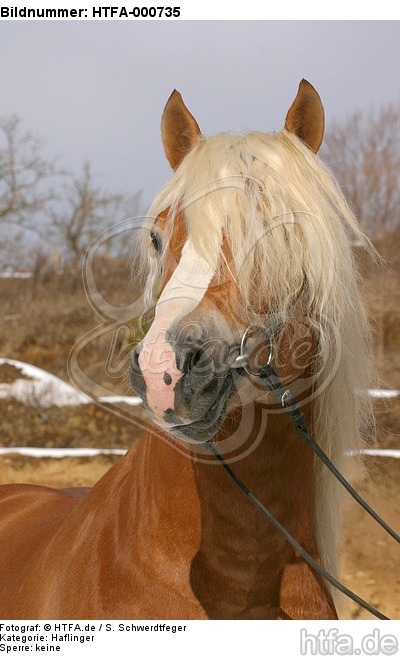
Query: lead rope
point(282, 530)
point(271, 380)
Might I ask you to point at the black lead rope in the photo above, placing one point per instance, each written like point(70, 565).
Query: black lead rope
point(270, 378)
point(282, 530)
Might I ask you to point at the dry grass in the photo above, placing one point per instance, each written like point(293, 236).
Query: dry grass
point(43, 317)
point(73, 472)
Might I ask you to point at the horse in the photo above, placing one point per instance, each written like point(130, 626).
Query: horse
point(252, 230)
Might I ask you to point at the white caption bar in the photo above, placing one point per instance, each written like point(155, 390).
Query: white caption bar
point(181, 637)
point(205, 10)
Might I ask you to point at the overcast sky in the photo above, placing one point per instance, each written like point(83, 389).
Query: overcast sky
point(96, 90)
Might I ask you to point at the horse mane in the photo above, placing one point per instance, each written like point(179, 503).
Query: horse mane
point(290, 231)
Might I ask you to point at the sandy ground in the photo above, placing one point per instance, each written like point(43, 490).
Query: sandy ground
point(370, 562)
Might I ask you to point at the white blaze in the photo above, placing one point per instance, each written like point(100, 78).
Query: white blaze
point(182, 294)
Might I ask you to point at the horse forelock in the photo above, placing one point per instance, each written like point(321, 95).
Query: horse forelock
point(274, 203)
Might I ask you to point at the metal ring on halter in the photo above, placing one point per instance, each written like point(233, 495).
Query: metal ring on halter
point(242, 360)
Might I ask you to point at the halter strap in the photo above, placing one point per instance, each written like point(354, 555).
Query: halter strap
point(289, 402)
point(269, 376)
point(271, 379)
point(283, 531)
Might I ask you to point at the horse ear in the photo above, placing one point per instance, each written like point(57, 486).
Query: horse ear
point(179, 129)
point(305, 117)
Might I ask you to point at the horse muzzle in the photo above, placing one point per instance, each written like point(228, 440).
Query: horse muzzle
point(184, 386)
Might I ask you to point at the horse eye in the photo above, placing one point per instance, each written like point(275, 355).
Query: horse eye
point(156, 241)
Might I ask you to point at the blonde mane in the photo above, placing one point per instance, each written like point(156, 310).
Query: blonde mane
point(290, 231)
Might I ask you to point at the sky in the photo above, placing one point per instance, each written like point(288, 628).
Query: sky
point(96, 90)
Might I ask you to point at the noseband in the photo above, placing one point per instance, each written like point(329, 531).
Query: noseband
point(270, 378)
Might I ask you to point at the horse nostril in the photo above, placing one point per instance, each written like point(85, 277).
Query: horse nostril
point(191, 360)
point(135, 366)
point(195, 358)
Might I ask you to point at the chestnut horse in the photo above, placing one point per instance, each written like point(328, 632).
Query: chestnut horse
point(251, 229)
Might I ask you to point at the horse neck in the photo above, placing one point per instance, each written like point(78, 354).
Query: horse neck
point(234, 556)
point(240, 552)
point(274, 462)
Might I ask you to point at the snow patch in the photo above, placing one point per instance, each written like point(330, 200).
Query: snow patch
point(383, 453)
point(383, 393)
point(38, 452)
point(46, 390)
point(16, 274)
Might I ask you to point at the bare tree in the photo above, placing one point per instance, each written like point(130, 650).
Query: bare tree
point(14, 251)
point(84, 211)
point(364, 153)
point(67, 219)
point(24, 173)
